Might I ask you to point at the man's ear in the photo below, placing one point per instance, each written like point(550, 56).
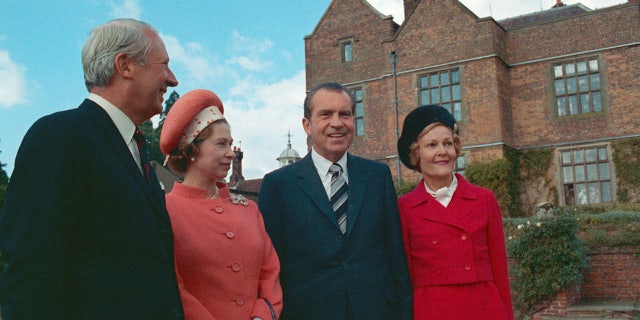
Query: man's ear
point(306, 125)
point(123, 65)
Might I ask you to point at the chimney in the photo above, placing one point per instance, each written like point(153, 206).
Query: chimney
point(236, 168)
point(409, 5)
point(558, 4)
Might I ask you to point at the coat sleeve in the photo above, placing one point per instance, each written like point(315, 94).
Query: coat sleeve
point(36, 223)
point(396, 250)
point(193, 309)
point(405, 235)
point(269, 283)
point(498, 254)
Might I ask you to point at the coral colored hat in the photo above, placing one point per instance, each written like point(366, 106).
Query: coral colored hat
point(188, 116)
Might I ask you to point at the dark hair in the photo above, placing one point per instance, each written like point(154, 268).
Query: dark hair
point(179, 158)
point(331, 86)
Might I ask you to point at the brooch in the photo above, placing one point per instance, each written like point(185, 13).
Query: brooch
point(239, 199)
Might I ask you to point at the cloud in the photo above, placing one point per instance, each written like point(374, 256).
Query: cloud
point(13, 84)
point(394, 8)
point(200, 65)
point(127, 9)
point(246, 52)
point(261, 115)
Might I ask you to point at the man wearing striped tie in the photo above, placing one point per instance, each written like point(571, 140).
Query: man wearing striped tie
point(333, 220)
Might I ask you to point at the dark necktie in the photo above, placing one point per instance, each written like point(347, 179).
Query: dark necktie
point(142, 149)
point(339, 196)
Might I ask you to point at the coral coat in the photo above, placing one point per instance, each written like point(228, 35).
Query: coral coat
point(457, 257)
point(224, 258)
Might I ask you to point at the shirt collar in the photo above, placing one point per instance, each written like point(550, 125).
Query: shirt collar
point(125, 126)
point(450, 190)
point(322, 164)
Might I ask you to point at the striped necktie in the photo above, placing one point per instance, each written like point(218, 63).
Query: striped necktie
point(339, 196)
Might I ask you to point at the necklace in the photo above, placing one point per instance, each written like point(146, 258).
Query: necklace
point(215, 194)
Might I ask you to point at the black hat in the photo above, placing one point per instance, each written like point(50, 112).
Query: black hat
point(416, 121)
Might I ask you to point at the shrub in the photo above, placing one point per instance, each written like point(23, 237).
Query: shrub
point(548, 258)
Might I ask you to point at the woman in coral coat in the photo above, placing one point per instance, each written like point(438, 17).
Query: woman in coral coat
point(452, 229)
point(226, 265)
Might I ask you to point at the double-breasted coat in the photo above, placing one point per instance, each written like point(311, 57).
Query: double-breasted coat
point(457, 257)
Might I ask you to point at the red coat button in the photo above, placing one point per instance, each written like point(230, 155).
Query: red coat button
point(230, 234)
point(235, 267)
point(464, 237)
point(467, 267)
point(218, 209)
point(240, 301)
point(434, 242)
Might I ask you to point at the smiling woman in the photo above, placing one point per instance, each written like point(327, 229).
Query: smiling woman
point(226, 265)
point(452, 229)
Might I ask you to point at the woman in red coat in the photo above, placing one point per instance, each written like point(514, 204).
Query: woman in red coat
point(227, 267)
point(452, 229)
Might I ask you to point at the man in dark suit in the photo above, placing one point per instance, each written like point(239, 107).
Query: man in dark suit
point(331, 269)
point(83, 229)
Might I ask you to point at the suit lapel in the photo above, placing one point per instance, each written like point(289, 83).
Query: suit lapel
point(358, 181)
point(108, 130)
point(311, 185)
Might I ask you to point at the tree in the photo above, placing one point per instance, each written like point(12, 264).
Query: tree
point(153, 134)
point(4, 181)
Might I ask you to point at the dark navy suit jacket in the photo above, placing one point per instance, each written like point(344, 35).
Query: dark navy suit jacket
point(321, 269)
point(85, 236)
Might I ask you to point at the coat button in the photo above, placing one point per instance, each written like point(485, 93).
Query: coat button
point(434, 242)
point(464, 237)
point(219, 209)
point(240, 301)
point(467, 267)
point(235, 267)
point(230, 234)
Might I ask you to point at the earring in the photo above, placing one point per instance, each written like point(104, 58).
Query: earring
point(193, 158)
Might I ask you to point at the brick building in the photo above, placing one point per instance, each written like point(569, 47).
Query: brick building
point(566, 78)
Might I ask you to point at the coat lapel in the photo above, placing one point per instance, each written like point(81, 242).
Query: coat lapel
point(431, 209)
point(358, 181)
point(108, 130)
point(310, 184)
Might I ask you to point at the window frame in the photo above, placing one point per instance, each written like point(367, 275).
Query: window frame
point(577, 87)
point(346, 56)
point(358, 119)
point(446, 92)
point(586, 175)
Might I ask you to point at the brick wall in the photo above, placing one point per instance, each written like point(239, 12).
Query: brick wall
point(508, 93)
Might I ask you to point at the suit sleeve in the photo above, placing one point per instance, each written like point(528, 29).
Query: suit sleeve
point(396, 249)
point(269, 283)
point(270, 206)
point(498, 254)
point(36, 223)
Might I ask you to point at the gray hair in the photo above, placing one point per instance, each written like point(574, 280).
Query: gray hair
point(106, 41)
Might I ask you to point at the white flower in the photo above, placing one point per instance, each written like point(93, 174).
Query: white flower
point(520, 226)
point(539, 224)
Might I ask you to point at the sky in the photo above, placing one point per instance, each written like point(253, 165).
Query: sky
point(251, 53)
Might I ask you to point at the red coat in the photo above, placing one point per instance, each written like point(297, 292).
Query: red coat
point(457, 257)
